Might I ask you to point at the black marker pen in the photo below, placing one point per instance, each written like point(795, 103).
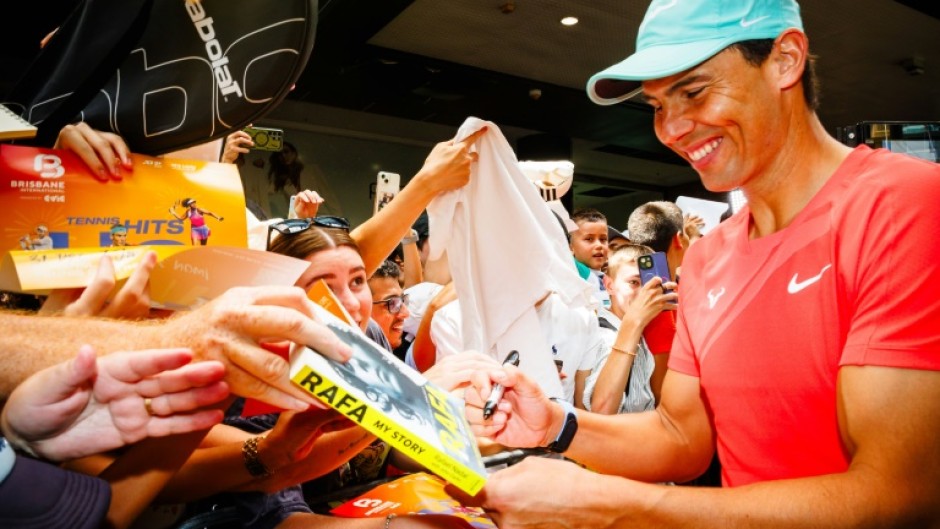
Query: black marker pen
point(490, 407)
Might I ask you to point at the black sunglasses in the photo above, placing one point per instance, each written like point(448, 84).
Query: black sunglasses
point(294, 226)
point(393, 304)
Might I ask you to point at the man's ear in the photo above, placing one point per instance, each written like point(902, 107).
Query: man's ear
point(680, 241)
point(608, 282)
point(789, 56)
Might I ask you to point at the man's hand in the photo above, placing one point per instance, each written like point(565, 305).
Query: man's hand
point(525, 417)
point(528, 495)
point(86, 405)
point(229, 329)
point(236, 143)
point(131, 302)
point(104, 153)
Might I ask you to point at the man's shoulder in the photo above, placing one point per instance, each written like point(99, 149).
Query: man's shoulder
point(883, 171)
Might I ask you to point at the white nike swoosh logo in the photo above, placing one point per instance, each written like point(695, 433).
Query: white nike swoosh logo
point(796, 286)
point(713, 298)
point(748, 23)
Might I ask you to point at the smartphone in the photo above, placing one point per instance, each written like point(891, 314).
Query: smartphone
point(653, 265)
point(266, 139)
point(387, 186)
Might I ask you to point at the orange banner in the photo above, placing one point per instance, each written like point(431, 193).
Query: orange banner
point(50, 200)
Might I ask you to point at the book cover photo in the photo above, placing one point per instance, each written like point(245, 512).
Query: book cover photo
point(393, 401)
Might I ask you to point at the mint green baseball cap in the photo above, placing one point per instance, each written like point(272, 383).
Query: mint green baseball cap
point(676, 35)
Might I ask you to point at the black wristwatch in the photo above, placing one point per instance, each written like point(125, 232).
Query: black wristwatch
point(568, 429)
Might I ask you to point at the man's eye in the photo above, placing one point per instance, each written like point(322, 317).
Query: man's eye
point(692, 94)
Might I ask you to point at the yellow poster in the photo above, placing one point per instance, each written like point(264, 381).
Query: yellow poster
point(50, 200)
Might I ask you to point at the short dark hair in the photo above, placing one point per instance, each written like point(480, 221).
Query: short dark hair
point(421, 226)
point(588, 215)
point(654, 224)
point(388, 269)
point(756, 51)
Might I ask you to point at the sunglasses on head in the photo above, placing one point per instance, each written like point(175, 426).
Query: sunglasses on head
point(393, 304)
point(294, 226)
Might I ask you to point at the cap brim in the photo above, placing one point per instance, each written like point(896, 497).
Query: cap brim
point(39, 495)
point(614, 233)
point(622, 80)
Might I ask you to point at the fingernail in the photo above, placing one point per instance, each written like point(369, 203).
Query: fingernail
point(299, 405)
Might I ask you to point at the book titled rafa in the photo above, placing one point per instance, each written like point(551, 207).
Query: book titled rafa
point(394, 402)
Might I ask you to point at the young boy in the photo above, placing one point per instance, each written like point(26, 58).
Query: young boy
point(620, 380)
point(589, 245)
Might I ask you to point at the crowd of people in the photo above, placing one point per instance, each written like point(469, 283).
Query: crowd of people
point(791, 346)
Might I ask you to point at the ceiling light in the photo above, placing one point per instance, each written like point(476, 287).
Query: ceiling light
point(569, 21)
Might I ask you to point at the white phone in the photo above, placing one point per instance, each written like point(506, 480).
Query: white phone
point(387, 186)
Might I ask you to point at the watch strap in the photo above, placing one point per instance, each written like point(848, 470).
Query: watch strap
point(568, 429)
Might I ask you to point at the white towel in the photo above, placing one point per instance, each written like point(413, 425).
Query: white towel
point(507, 251)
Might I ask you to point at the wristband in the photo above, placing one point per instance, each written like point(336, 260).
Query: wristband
point(253, 463)
point(568, 429)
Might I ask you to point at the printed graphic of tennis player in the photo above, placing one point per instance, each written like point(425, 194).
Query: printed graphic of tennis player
point(42, 241)
point(197, 219)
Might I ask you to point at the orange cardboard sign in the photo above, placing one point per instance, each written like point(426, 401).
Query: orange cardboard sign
point(50, 200)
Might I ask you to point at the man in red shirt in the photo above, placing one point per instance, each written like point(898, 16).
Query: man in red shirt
point(807, 349)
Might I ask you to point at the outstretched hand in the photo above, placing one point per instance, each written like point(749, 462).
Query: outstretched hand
point(89, 405)
point(231, 328)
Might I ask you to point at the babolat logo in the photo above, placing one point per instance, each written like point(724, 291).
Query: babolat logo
point(206, 32)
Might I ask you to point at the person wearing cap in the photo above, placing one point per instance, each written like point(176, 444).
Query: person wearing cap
point(42, 241)
point(118, 235)
point(615, 239)
point(806, 351)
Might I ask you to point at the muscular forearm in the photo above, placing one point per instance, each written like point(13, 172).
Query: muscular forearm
point(859, 498)
point(30, 343)
point(658, 452)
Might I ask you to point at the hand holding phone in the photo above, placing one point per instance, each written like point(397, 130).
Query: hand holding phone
point(266, 139)
point(387, 186)
point(654, 265)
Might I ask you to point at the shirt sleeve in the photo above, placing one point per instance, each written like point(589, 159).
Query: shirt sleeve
point(891, 265)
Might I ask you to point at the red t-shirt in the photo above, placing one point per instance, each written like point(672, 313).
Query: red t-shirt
point(660, 332)
point(765, 324)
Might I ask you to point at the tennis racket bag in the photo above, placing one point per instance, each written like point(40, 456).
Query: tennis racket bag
point(167, 74)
